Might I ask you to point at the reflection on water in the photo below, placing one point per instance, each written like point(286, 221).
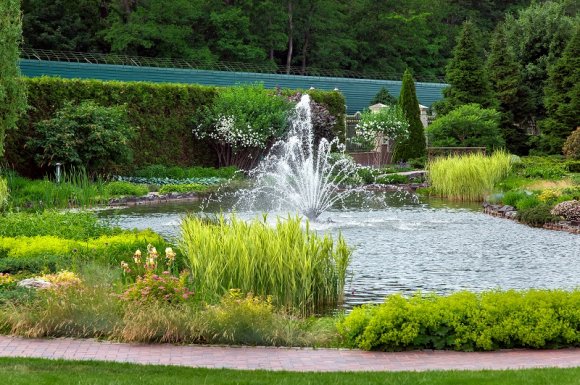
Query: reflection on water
point(408, 246)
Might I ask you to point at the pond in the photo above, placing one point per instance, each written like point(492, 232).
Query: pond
point(402, 245)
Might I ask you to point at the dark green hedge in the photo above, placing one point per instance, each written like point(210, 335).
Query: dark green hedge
point(467, 321)
point(160, 112)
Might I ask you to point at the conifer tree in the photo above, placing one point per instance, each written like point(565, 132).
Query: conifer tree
point(383, 96)
point(562, 97)
point(506, 84)
point(414, 145)
point(12, 91)
point(465, 74)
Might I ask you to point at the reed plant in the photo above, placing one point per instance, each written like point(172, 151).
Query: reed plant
point(301, 270)
point(467, 177)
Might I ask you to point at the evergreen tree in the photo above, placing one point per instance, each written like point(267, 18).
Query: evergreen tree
point(383, 96)
point(506, 84)
point(12, 90)
point(562, 97)
point(465, 74)
point(414, 145)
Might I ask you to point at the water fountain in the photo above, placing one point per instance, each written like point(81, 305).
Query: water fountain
point(299, 175)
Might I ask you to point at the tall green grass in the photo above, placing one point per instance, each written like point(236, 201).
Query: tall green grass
point(3, 193)
point(467, 177)
point(301, 270)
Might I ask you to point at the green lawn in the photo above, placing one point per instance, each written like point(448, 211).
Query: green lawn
point(20, 371)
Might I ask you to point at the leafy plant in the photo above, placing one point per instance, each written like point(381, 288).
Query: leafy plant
point(241, 123)
point(510, 198)
point(528, 202)
point(467, 177)
point(86, 135)
point(375, 128)
point(206, 181)
point(301, 270)
point(120, 188)
point(176, 172)
point(467, 126)
point(537, 215)
point(467, 321)
point(164, 287)
point(182, 188)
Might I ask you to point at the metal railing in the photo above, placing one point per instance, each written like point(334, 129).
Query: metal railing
point(142, 61)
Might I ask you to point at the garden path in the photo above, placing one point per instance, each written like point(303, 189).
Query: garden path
point(290, 359)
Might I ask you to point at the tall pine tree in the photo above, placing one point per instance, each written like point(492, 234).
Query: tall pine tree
point(415, 144)
point(506, 85)
point(562, 97)
point(12, 90)
point(465, 74)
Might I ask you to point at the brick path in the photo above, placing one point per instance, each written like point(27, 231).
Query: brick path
point(293, 359)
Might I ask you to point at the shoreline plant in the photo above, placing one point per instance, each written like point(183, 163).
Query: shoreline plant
point(467, 177)
point(301, 270)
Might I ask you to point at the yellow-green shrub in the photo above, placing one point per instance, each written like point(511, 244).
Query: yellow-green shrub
point(51, 253)
point(467, 177)
point(3, 193)
point(467, 321)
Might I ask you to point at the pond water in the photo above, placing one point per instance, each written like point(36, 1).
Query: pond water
point(402, 245)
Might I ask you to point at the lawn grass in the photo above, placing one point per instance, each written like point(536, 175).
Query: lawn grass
point(25, 371)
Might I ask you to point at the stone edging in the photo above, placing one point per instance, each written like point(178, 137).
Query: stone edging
point(509, 212)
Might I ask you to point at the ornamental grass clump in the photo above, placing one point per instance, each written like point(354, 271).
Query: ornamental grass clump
point(299, 269)
point(467, 177)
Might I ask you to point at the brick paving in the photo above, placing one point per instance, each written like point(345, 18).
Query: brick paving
point(291, 359)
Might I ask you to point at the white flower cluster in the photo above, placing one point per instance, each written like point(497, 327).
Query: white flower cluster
point(234, 133)
point(389, 121)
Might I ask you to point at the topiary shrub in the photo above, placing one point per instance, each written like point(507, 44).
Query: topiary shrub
point(537, 215)
point(571, 147)
point(86, 135)
point(570, 210)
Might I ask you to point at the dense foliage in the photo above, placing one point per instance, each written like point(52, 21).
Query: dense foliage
point(360, 35)
point(87, 136)
point(571, 147)
point(241, 123)
point(562, 97)
point(379, 127)
point(414, 145)
point(12, 88)
point(467, 321)
point(465, 74)
point(467, 126)
point(160, 113)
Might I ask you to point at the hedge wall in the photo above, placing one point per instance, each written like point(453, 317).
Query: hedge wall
point(160, 112)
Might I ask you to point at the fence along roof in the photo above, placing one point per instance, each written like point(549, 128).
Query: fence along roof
point(358, 92)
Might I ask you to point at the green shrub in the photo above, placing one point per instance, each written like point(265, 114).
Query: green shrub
point(527, 202)
point(164, 287)
point(86, 135)
point(298, 268)
point(542, 167)
point(467, 126)
point(571, 147)
point(175, 172)
point(39, 253)
point(392, 179)
point(69, 225)
point(510, 198)
point(241, 123)
point(182, 188)
point(536, 215)
point(467, 177)
point(120, 188)
point(467, 321)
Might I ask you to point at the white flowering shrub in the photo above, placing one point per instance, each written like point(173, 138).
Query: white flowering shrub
point(389, 122)
point(241, 123)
